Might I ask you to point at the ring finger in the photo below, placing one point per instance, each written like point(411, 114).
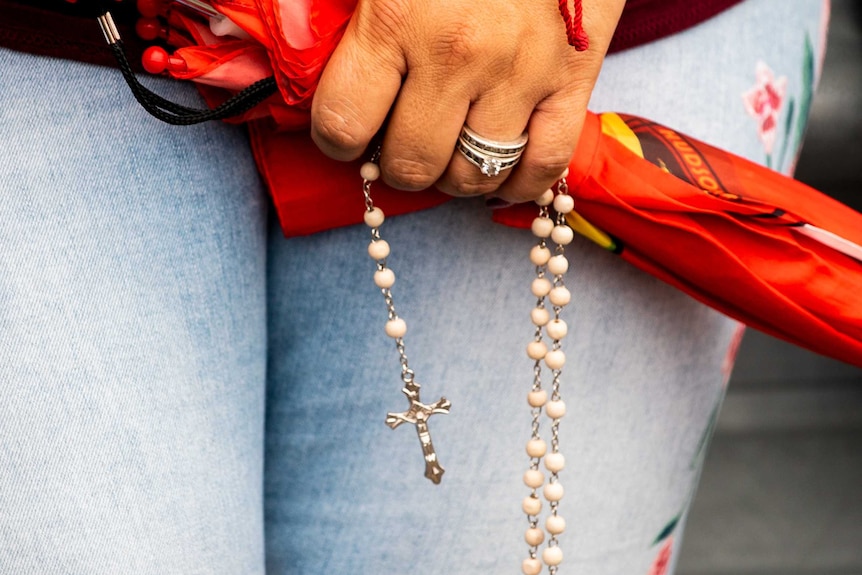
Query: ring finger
point(478, 166)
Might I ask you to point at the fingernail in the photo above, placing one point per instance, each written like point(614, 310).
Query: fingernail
point(497, 203)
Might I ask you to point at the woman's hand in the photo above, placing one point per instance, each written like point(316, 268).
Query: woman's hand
point(430, 66)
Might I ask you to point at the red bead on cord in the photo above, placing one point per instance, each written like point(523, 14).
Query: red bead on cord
point(152, 8)
point(156, 60)
point(574, 26)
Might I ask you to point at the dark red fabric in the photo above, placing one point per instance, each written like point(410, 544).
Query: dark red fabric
point(63, 32)
point(645, 21)
point(56, 28)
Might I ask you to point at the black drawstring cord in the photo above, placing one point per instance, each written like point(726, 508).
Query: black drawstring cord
point(174, 113)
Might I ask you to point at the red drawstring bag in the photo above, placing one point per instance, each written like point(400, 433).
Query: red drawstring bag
point(745, 240)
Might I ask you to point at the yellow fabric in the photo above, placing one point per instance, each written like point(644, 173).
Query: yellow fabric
point(613, 126)
point(589, 231)
point(616, 128)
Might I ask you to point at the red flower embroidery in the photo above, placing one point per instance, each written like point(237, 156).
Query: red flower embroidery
point(662, 561)
point(763, 102)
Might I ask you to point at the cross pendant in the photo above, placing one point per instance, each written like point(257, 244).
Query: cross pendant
point(418, 414)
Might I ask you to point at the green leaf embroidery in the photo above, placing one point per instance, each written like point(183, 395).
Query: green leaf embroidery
point(788, 121)
point(668, 529)
point(702, 444)
point(807, 93)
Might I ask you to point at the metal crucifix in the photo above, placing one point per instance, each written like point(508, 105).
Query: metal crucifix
point(418, 414)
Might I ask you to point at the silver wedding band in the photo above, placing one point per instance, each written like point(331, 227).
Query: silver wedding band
point(490, 156)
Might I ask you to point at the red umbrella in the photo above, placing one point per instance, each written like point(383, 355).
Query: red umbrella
point(756, 245)
point(745, 240)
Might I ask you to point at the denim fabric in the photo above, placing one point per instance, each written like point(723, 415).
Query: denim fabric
point(345, 494)
point(643, 382)
point(132, 332)
point(185, 391)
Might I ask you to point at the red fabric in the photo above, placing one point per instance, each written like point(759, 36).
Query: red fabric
point(737, 248)
point(299, 37)
point(312, 193)
point(714, 225)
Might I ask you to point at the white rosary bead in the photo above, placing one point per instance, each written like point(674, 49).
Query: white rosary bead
point(369, 171)
point(560, 296)
point(540, 316)
point(564, 203)
point(542, 227)
point(537, 448)
point(378, 249)
point(557, 329)
point(546, 199)
point(562, 235)
point(553, 491)
point(536, 350)
point(531, 566)
point(555, 524)
point(555, 359)
point(554, 462)
point(396, 328)
point(384, 279)
point(534, 536)
point(541, 287)
point(533, 478)
point(558, 265)
point(540, 255)
point(537, 398)
point(552, 266)
point(374, 217)
point(552, 556)
point(556, 409)
point(531, 505)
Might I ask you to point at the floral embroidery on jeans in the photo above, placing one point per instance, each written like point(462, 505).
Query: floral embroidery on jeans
point(662, 561)
point(765, 102)
point(665, 536)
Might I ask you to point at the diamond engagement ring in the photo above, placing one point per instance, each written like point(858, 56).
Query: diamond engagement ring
point(491, 157)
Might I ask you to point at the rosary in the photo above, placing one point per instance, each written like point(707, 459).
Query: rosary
point(548, 257)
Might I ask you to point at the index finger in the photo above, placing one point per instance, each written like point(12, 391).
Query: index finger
point(356, 91)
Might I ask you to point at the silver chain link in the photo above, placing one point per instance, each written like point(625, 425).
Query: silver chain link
point(541, 271)
point(555, 383)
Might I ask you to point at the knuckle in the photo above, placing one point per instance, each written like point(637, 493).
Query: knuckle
point(383, 19)
point(336, 127)
point(548, 167)
point(407, 174)
point(536, 175)
point(455, 45)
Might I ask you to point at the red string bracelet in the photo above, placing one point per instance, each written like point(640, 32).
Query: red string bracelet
point(574, 26)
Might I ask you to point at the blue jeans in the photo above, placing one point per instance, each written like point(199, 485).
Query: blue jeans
point(185, 391)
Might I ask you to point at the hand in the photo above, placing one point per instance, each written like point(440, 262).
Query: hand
point(430, 66)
